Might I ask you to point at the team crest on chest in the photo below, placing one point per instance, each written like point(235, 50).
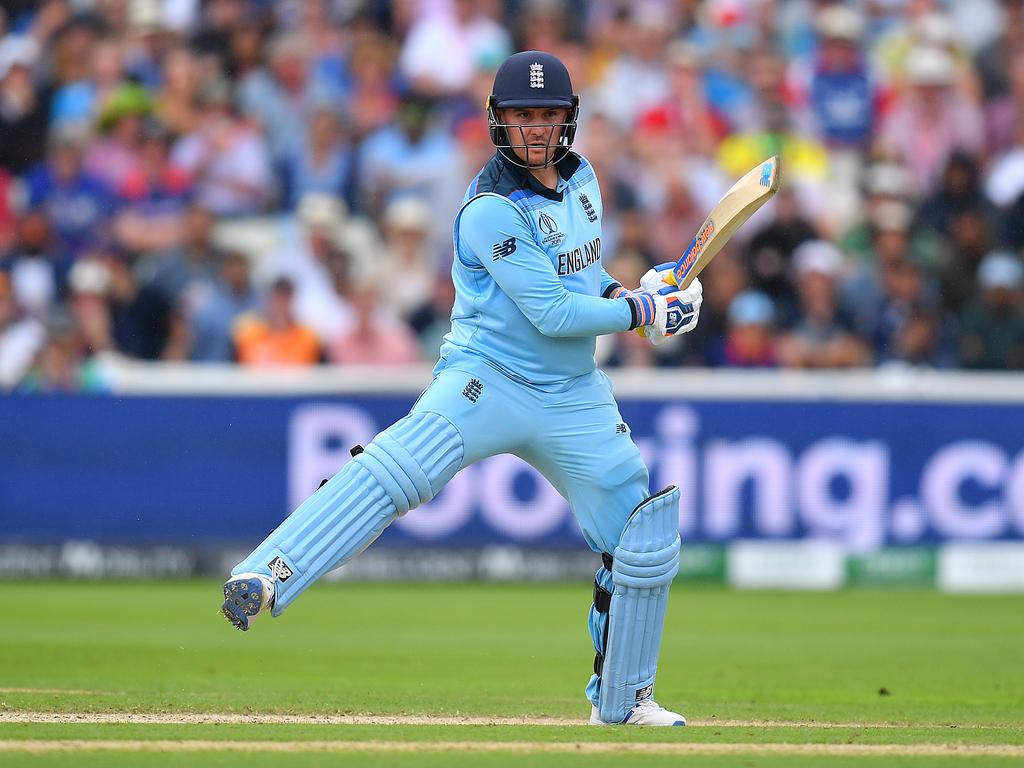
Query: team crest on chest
point(588, 207)
point(549, 228)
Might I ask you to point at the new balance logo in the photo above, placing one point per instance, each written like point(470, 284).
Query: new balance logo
point(279, 570)
point(620, 429)
point(536, 75)
point(473, 390)
point(645, 693)
point(503, 249)
point(588, 207)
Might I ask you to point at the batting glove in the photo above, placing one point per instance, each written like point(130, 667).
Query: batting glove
point(654, 279)
point(667, 311)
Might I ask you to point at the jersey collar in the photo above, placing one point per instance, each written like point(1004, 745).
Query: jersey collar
point(566, 167)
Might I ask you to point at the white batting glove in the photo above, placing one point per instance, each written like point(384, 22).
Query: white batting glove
point(654, 278)
point(667, 311)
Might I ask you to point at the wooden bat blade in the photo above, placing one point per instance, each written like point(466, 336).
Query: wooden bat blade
point(753, 190)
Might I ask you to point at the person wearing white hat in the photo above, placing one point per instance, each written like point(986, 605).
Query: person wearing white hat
point(992, 327)
point(836, 89)
point(932, 119)
point(821, 337)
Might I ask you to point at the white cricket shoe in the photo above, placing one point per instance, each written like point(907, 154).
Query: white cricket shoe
point(246, 596)
point(647, 712)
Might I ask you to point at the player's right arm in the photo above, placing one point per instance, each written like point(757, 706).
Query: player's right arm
point(494, 233)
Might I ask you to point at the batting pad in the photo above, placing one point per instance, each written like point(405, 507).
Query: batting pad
point(404, 466)
point(645, 562)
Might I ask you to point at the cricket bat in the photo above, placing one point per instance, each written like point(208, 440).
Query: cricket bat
point(753, 190)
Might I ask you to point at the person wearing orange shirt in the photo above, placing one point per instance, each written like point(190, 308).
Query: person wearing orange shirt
point(276, 339)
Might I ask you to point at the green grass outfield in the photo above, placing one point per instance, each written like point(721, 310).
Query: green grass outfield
point(149, 674)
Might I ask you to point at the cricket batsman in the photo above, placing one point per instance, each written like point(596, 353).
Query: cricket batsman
point(517, 375)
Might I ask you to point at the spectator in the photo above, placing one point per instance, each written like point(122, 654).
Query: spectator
point(331, 252)
point(910, 328)
point(94, 70)
point(140, 316)
point(1004, 180)
point(970, 239)
point(838, 100)
point(927, 26)
point(837, 95)
point(635, 80)
point(960, 191)
point(377, 336)
point(212, 307)
point(821, 336)
point(805, 160)
point(1004, 115)
point(9, 188)
point(408, 253)
point(769, 254)
point(468, 37)
point(245, 53)
point(931, 121)
point(89, 286)
point(676, 218)
point(35, 277)
point(993, 61)
point(684, 112)
point(24, 106)
point(276, 339)
point(76, 203)
point(323, 25)
point(117, 154)
point(323, 163)
point(177, 101)
point(724, 280)
point(887, 189)
point(905, 323)
point(750, 339)
point(281, 97)
point(21, 337)
point(227, 159)
point(544, 25)
point(193, 258)
point(61, 365)
point(152, 200)
point(433, 321)
point(414, 156)
point(992, 326)
point(372, 100)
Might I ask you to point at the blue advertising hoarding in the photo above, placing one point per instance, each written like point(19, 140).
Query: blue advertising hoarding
point(211, 470)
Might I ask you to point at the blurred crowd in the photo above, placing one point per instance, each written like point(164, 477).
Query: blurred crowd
point(273, 182)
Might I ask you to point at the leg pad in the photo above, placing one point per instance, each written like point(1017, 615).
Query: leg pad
point(644, 564)
point(404, 466)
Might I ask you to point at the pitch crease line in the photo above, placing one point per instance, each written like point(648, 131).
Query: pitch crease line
point(233, 718)
point(192, 745)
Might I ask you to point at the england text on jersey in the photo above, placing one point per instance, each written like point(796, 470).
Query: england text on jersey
point(579, 258)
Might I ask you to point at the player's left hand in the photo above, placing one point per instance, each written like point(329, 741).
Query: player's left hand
point(675, 311)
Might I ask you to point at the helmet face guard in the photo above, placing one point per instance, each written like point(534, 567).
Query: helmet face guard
point(507, 138)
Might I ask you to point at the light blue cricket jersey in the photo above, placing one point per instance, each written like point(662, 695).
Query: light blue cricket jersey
point(530, 290)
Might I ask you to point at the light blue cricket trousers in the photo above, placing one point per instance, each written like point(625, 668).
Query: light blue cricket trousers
point(571, 432)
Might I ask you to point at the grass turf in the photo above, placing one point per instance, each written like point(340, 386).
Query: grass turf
point(916, 658)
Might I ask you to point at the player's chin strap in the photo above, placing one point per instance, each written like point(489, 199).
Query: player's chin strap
point(642, 568)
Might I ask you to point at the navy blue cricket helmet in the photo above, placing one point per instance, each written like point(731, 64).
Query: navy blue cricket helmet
point(532, 79)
